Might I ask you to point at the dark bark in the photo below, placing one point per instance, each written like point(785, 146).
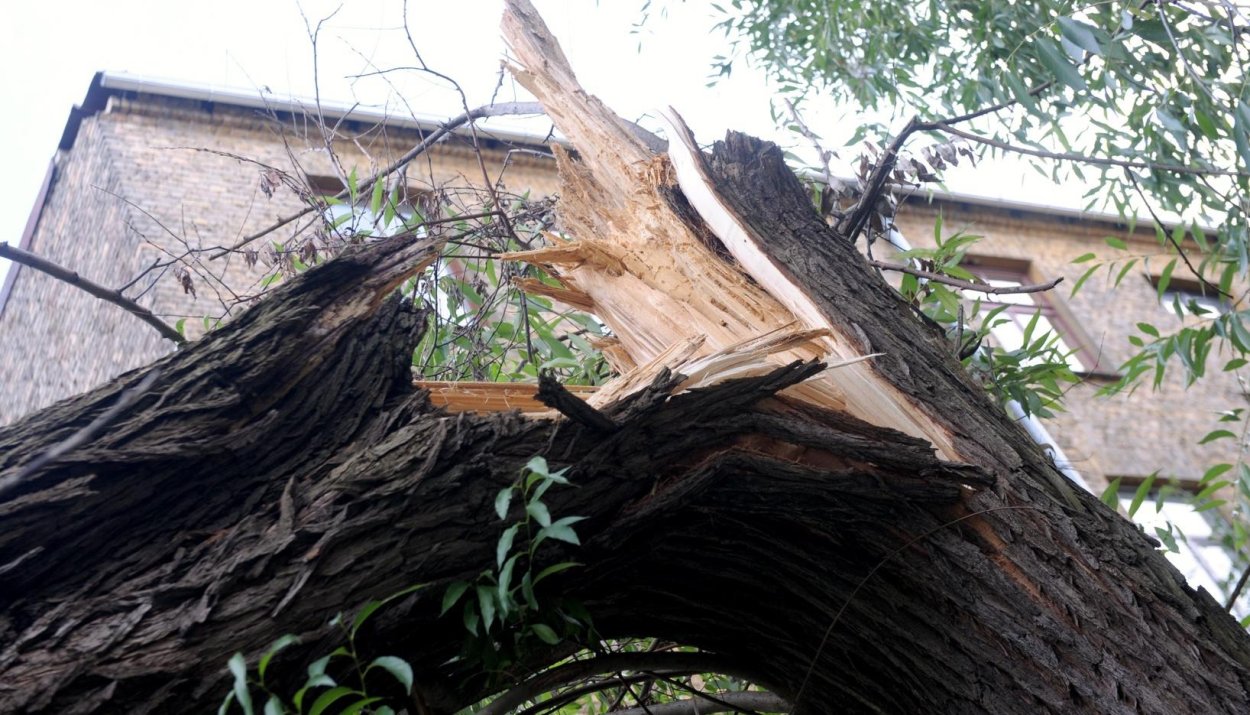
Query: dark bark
point(283, 470)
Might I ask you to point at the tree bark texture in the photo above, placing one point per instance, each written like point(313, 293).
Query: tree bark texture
point(284, 469)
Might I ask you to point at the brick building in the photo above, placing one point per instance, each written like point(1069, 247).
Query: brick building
point(131, 179)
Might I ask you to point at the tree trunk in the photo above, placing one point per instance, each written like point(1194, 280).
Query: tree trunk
point(793, 523)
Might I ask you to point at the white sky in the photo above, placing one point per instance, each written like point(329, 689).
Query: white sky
point(49, 51)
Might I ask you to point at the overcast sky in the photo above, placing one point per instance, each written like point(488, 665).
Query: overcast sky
point(50, 50)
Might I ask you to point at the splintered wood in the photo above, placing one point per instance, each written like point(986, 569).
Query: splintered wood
point(491, 396)
point(627, 256)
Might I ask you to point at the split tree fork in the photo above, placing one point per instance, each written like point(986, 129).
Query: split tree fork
point(878, 537)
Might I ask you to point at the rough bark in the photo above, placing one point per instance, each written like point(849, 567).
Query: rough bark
point(273, 477)
point(285, 469)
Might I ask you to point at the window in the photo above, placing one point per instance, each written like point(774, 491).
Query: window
point(360, 220)
point(1185, 298)
point(1019, 310)
point(1199, 555)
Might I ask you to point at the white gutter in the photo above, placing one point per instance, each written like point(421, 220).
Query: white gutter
point(125, 82)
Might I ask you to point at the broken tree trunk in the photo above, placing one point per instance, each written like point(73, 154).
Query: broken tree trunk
point(877, 537)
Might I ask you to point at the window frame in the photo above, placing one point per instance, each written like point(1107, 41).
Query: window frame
point(1023, 272)
point(1178, 287)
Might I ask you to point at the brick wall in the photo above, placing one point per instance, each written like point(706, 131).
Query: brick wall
point(135, 188)
point(1128, 435)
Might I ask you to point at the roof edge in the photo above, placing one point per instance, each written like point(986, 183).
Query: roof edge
point(107, 84)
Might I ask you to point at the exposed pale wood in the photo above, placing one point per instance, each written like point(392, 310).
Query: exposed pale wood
point(571, 298)
point(648, 270)
point(868, 395)
point(490, 396)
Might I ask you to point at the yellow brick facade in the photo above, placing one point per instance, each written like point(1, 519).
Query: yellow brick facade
point(1127, 435)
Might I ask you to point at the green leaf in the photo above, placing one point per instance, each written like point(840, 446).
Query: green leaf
point(545, 633)
point(1084, 277)
point(1241, 125)
point(317, 668)
point(1058, 63)
point(504, 545)
point(242, 694)
point(1206, 125)
point(1169, 541)
point(351, 186)
point(503, 589)
point(538, 511)
point(1212, 504)
point(537, 465)
point(1116, 243)
point(1211, 489)
point(1148, 329)
point(397, 667)
point(559, 532)
point(1019, 92)
point(329, 698)
point(375, 201)
point(359, 706)
point(1111, 495)
point(502, 500)
point(1234, 364)
point(554, 569)
point(1128, 266)
point(283, 642)
point(1215, 471)
point(363, 615)
point(1080, 34)
point(471, 618)
point(1216, 434)
point(1084, 257)
point(486, 606)
point(1139, 496)
point(273, 706)
point(453, 593)
point(1165, 278)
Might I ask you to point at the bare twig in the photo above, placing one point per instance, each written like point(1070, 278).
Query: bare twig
point(1179, 250)
point(967, 285)
point(61, 273)
point(1232, 596)
point(82, 436)
point(498, 110)
point(565, 697)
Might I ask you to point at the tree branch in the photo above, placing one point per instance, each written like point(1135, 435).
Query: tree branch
point(496, 110)
point(672, 663)
point(854, 222)
point(554, 395)
point(722, 703)
point(966, 285)
point(43, 265)
point(1081, 158)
